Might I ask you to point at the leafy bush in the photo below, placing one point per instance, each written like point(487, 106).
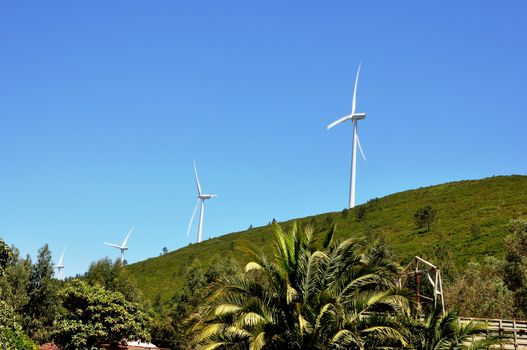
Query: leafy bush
point(373, 203)
point(360, 213)
point(425, 216)
point(5, 255)
point(93, 315)
point(114, 277)
point(479, 291)
point(15, 339)
point(11, 335)
point(516, 263)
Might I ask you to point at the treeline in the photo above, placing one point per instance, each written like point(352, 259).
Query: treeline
point(103, 306)
point(313, 293)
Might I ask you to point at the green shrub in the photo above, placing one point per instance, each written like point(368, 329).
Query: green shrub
point(360, 213)
point(425, 216)
point(5, 255)
point(15, 339)
point(12, 337)
point(94, 315)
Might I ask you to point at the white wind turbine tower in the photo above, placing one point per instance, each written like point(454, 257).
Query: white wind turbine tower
point(123, 245)
point(201, 198)
point(60, 265)
point(354, 117)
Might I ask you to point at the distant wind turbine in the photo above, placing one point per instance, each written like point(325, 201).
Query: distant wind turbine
point(201, 198)
point(60, 264)
point(123, 245)
point(354, 117)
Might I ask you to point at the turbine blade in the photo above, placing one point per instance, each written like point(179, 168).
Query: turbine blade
point(337, 122)
point(354, 102)
point(197, 181)
point(127, 236)
point(360, 148)
point(192, 218)
point(113, 245)
point(61, 256)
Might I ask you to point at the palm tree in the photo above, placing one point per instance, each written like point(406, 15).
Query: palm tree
point(442, 331)
point(334, 297)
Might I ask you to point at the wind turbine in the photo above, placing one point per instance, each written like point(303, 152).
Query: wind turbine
point(201, 198)
point(354, 117)
point(123, 245)
point(60, 265)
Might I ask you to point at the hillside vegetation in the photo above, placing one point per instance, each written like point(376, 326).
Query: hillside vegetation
point(471, 222)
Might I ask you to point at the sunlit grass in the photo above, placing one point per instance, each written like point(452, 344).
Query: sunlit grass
point(471, 221)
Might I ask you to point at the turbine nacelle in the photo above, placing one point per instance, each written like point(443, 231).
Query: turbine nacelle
point(353, 116)
point(358, 116)
point(207, 196)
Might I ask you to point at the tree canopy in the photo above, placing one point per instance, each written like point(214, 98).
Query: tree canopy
point(93, 316)
point(425, 217)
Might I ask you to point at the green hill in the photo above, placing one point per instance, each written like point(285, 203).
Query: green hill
point(471, 222)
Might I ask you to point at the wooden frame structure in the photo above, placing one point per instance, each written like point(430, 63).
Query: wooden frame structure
point(419, 269)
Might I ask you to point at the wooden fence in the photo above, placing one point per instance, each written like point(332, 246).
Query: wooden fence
point(514, 330)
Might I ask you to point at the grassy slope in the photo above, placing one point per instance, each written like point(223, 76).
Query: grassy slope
point(488, 203)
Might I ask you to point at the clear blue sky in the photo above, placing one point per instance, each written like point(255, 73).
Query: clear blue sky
point(105, 104)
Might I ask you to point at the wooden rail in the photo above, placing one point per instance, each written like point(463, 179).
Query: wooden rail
point(514, 329)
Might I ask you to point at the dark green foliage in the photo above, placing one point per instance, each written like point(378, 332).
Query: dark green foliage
point(165, 332)
point(42, 307)
point(11, 334)
point(425, 217)
point(14, 283)
point(360, 213)
point(480, 291)
point(494, 287)
point(16, 339)
point(93, 316)
point(5, 255)
point(113, 277)
point(171, 319)
point(31, 293)
point(374, 204)
point(516, 263)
